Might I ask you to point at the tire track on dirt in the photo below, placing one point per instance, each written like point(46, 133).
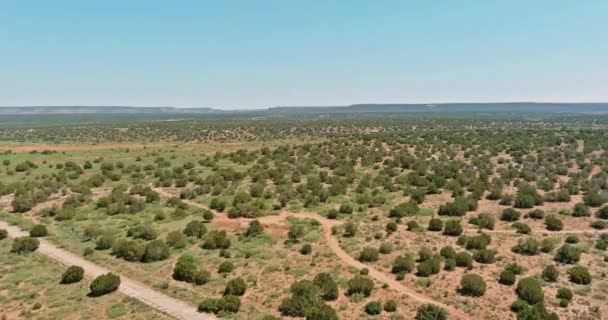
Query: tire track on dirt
point(170, 306)
point(334, 245)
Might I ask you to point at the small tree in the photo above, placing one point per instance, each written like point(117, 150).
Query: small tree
point(104, 284)
point(72, 275)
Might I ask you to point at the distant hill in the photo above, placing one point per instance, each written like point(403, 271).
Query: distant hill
point(508, 107)
point(478, 108)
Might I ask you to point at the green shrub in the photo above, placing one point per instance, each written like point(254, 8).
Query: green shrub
point(464, 259)
point(207, 305)
point(368, 255)
point(155, 250)
point(128, 249)
point(431, 312)
point(485, 256)
point(550, 273)
point(306, 249)
point(225, 267)
point(327, 286)
point(39, 230)
point(403, 264)
point(452, 228)
point(510, 215)
point(360, 284)
point(321, 311)
point(3, 234)
point(104, 242)
point(530, 290)
point(73, 274)
point(390, 305)
point(373, 308)
point(435, 224)
point(472, 285)
point(24, 245)
point(196, 229)
point(553, 223)
point(104, 284)
point(528, 247)
point(448, 252)
point(507, 277)
point(255, 229)
point(385, 248)
point(564, 294)
point(176, 239)
point(216, 239)
point(228, 303)
point(145, 232)
point(186, 270)
point(568, 254)
point(579, 275)
point(235, 287)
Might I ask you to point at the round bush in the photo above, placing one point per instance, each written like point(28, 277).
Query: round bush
point(373, 308)
point(306, 249)
point(553, 223)
point(38, 231)
point(550, 273)
point(403, 264)
point(24, 245)
point(235, 287)
point(564, 294)
point(510, 215)
point(207, 305)
point(579, 275)
point(472, 285)
point(225, 267)
point(568, 254)
point(464, 259)
point(72, 275)
point(156, 250)
point(390, 305)
point(452, 228)
point(228, 303)
point(327, 285)
point(507, 277)
point(360, 284)
point(321, 311)
point(431, 312)
point(3, 234)
point(368, 254)
point(195, 228)
point(104, 284)
point(435, 224)
point(530, 290)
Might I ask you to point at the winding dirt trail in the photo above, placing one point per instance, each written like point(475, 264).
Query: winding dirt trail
point(334, 245)
point(173, 307)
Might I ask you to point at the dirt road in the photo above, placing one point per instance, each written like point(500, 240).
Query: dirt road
point(133, 289)
point(334, 245)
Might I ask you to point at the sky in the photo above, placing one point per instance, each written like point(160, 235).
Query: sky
point(252, 54)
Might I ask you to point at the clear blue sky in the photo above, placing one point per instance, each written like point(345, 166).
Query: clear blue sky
point(256, 53)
